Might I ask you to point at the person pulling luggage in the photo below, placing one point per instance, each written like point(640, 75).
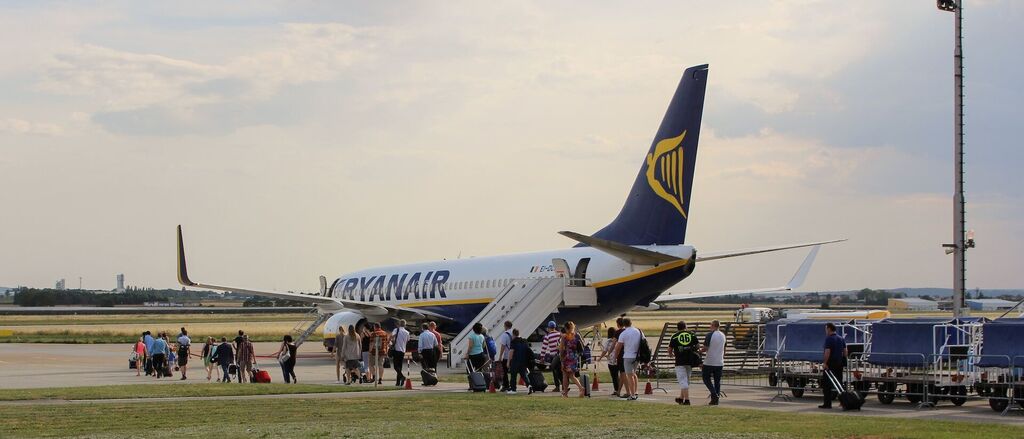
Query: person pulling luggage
point(519, 358)
point(834, 360)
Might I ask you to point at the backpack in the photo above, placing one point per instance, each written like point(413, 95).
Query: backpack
point(643, 354)
point(491, 347)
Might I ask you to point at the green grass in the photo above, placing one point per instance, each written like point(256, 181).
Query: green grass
point(172, 390)
point(458, 415)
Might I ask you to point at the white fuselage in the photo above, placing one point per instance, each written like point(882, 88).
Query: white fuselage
point(453, 287)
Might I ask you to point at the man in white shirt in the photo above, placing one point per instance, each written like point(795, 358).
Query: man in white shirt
point(504, 346)
point(711, 372)
point(401, 337)
point(427, 345)
point(629, 344)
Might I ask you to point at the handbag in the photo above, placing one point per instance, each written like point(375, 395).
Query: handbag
point(285, 355)
point(387, 363)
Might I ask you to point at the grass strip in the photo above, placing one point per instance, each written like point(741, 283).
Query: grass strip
point(172, 390)
point(461, 415)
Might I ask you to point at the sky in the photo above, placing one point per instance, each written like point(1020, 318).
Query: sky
point(293, 139)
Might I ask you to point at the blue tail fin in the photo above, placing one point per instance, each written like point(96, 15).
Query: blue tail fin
point(659, 203)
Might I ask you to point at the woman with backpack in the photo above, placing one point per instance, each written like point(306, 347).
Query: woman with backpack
point(570, 350)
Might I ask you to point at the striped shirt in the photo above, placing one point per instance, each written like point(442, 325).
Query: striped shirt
point(550, 344)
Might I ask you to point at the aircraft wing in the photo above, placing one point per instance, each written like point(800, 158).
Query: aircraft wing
point(710, 256)
point(330, 303)
point(795, 282)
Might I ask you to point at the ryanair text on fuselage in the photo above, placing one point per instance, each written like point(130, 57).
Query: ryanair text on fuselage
point(394, 286)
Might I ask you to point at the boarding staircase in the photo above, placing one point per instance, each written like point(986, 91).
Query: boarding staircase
point(525, 303)
point(308, 324)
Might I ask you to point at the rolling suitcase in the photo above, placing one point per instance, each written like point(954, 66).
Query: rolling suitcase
point(585, 381)
point(477, 381)
point(849, 399)
point(537, 382)
point(429, 377)
point(259, 375)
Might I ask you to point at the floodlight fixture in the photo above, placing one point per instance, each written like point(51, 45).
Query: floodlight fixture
point(946, 5)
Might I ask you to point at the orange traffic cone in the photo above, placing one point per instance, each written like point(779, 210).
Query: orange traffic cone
point(648, 390)
point(594, 386)
point(408, 384)
point(490, 387)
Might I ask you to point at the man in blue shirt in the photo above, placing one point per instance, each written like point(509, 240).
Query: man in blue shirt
point(834, 360)
point(147, 338)
point(160, 352)
point(427, 344)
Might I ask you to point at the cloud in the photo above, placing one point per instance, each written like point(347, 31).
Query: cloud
point(20, 126)
point(172, 96)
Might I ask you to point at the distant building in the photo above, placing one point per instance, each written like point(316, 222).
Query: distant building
point(912, 304)
point(60, 285)
point(989, 304)
point(120, 284)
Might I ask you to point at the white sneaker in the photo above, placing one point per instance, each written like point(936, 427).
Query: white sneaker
point(510, 392)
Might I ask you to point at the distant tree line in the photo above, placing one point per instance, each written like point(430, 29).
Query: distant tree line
point(50, 297)
point(877, 297)
point(865, 296)
point(131, 296)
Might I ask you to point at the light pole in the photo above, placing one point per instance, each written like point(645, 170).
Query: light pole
point(960, 242)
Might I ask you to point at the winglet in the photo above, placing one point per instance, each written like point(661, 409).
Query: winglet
point(182, 269)
point(805, 267)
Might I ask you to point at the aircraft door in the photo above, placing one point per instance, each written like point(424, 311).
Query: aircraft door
point(561, 267)
point(581, 269)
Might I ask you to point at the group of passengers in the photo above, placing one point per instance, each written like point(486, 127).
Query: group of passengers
point(511, 358)
point(563, 352)
point(364, 351)
point(158, 357)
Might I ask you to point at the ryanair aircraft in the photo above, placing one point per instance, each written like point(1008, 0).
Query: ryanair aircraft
point(630, 262)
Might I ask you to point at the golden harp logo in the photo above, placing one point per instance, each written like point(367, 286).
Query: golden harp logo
point(665, 171)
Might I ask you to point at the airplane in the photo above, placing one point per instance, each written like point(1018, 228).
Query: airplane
point(628, 263)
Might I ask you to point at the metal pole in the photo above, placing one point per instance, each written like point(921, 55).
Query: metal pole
point(959, 205)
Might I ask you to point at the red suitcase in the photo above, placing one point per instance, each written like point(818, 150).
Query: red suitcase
point(261, 376)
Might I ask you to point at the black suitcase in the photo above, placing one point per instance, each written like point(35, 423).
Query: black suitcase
point(585, 381)
point(477, 381)
point(537, 382)
point(131, 364)
point(429, 377)
point(848, 399)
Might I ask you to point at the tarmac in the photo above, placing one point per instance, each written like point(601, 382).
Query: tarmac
point(32, 365)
